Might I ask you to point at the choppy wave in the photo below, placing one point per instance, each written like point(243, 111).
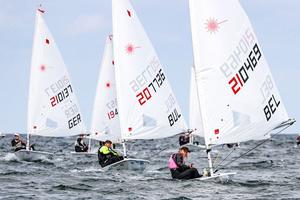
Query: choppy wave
point(269, 172)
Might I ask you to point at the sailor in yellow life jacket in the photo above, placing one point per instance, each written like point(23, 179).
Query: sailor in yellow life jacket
point(107, 156)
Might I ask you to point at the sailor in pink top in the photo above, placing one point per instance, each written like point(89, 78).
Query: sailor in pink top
point(178, 168)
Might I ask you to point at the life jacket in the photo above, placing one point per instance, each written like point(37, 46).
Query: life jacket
point(101, 158)
point(106, 151)
point(172, 164)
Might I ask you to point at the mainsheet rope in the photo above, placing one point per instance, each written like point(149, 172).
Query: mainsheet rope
point(219, 166)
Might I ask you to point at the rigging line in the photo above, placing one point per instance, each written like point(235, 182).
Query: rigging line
point(217, 157)
point(224, 159)
point(264, 141)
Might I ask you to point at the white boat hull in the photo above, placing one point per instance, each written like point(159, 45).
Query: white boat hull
point(31, 156)
point(83, 153)
point(128, 164)
point(222, 177)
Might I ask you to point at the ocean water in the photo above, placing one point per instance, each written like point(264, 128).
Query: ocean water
point(272, 171)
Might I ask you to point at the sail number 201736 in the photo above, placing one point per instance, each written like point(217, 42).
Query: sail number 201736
point(156, 83)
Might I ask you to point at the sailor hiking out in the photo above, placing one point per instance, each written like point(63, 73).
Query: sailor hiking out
point(178, 168)
point(107, 156)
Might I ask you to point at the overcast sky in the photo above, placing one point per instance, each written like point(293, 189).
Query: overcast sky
point(81, 26)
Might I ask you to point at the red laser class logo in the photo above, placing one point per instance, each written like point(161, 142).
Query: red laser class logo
point(212, 25)
point(42, 68)
point(107, 85)
point(130, 49)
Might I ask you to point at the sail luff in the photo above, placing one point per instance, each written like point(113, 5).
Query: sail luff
point(200, 96)
point(195, 121)
point(31, 81)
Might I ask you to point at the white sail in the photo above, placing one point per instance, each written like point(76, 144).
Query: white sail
point(195, 122)
point(105, 119)
point(53, 109)
point(148, 107)
point(239, 100)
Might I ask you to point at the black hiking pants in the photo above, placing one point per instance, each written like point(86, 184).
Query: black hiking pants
point(189, 173)
point(112, 160)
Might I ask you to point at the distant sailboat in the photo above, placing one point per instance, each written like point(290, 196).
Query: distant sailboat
point(147, 106)
point(237, 95)
point(53, 110)
point(105, 119)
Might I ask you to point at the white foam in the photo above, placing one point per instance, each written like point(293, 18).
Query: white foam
point(9, 157)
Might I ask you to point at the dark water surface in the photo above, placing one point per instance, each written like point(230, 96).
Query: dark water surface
point(270, 172)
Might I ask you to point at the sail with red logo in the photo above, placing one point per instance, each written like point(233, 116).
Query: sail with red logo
point(105, 118)
point(53, 109)
point(238, 97)
point(148, 108)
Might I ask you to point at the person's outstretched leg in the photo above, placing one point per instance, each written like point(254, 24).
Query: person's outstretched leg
point(189, 174)
point(112, 160)
point(196, 173)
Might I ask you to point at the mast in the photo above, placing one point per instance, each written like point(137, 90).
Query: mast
point(27, 142)
point(90, 139)
point(124, 149)
point(203, 116)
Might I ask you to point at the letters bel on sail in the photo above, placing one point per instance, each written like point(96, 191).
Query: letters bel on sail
point(53, 109)
point(239, 99)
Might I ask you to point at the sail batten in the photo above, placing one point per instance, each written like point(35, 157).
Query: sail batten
point(238, 96)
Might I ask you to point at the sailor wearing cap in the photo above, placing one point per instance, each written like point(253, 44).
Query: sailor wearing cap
point(17, 144)
point(178, 168)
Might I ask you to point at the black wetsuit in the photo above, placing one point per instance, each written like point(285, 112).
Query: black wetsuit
point(108, 159)
point(183, 171)
point(18, 145)
point(80, 146)
point(298, 140)
point(183, 139)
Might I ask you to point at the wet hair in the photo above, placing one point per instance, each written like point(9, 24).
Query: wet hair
point(184, 149)
point(107, 142)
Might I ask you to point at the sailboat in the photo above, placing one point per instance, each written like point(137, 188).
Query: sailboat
point(237, 95)
point(147, 106)
point(53, 109)
point(105, 123)
point(105, 119)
